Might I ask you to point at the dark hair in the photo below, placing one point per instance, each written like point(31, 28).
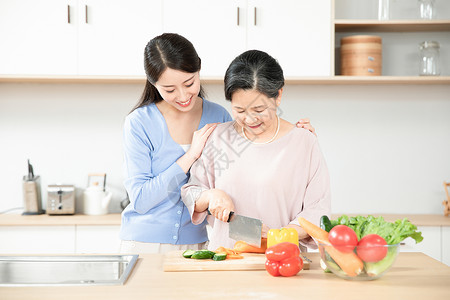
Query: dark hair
point(169, 50)
point(256, 70)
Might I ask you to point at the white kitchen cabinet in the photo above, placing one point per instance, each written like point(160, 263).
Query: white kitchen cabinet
point(38, 37)
point(37, 239)
point(76, 37)
point(431, 244)
point(217, 29)
point(445, 235)
point(97, 239)
point(296, 32)
point(112, 35)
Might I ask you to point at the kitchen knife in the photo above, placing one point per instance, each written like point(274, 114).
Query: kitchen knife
point(244, 229)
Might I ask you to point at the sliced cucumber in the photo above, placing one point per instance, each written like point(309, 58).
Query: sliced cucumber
point(219, 256)
point(188, 253)
point(203, 254)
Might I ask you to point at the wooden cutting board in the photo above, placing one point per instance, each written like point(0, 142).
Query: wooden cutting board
point(175, 262)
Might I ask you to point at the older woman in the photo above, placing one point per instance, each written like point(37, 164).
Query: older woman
point(259, 165)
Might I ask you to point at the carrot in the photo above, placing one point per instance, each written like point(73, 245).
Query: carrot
point(231, 254)
point(314, 231)
point(350, 263)
point(243, 247)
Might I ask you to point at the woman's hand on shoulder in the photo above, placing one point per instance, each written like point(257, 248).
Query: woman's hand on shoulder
point(199, 140)
point(305, 123)
point(220, 204)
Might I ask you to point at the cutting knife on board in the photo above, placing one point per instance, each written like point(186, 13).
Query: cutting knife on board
point(244, 229)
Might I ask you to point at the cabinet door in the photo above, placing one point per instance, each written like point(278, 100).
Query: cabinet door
point(295, 32)
point(113, 34)
point(38, 37)
point(37, 239)
point(431, 244)
point(97, 239)
point(217, 29)
point(446, 245)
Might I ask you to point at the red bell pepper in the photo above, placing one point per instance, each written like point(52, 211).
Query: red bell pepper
point(283, 259)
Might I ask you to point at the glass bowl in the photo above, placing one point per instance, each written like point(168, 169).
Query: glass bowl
point(346, 263)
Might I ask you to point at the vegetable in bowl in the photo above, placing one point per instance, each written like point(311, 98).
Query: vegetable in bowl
point(375, 252)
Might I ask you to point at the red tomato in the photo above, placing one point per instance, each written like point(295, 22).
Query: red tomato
point(272, 267)
point(343, 238)
point(372, 248)
point(290, 266)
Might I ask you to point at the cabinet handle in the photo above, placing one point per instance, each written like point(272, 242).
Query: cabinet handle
point(68, 14)
point(255, 15)
point(86, 13)
point(238, 16)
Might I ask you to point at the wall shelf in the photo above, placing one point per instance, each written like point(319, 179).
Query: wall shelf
point(331, 80)
point(352, 25)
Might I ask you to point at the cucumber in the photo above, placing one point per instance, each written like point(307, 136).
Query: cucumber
point(188, 253)
point(219, 256)
point(325, 223)
point(203, 254)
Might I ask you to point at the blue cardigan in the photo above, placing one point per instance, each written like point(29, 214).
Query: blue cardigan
point(153, 179)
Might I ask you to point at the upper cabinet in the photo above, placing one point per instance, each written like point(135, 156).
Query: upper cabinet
point(296, 32)
point(107, 37)
point(38, 37)
point(112, 35)
point(84, 37)
point(217, 29)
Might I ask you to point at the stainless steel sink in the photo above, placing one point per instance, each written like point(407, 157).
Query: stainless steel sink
point(65, 270)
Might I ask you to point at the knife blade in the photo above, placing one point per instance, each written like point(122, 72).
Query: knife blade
point(245, 229)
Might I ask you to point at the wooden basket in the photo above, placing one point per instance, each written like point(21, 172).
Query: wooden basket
point(361, 55)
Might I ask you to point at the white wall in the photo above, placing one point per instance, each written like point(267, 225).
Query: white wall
point(387, 147)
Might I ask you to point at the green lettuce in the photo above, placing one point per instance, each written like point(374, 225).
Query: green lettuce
point(392, 233)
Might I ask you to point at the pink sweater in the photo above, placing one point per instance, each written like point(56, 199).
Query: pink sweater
point(276, 182)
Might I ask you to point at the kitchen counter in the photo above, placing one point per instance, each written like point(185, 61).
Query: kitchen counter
point(57, 220)
point(114, 219)
point(413, 276)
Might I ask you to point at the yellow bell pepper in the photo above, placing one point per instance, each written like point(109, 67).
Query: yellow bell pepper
point(276, 236)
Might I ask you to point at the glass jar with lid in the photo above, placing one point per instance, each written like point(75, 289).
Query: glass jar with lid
point(427, 10)
point(429, 58)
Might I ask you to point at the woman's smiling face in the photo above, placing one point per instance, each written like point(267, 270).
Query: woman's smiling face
point(255, 112)
point(179, 89)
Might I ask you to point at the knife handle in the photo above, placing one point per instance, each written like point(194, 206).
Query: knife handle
point(229, 216)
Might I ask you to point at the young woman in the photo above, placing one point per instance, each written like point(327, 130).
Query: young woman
point(163, 136)
point(266, 167)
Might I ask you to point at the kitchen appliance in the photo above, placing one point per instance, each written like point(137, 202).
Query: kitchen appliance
point(95, 198)
point(175, 262)
point(31, 186)
point(60, 199)
point(244, 229)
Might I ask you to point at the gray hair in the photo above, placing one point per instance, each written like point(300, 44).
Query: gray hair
point(254, 70)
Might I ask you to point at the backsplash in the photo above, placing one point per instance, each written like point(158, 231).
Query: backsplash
point(386, 146)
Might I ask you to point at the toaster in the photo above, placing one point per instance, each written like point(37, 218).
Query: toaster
point(61, 199)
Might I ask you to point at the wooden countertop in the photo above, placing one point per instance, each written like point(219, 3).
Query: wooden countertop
point(413, 276)
point(57, 220)
point(114, 219)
